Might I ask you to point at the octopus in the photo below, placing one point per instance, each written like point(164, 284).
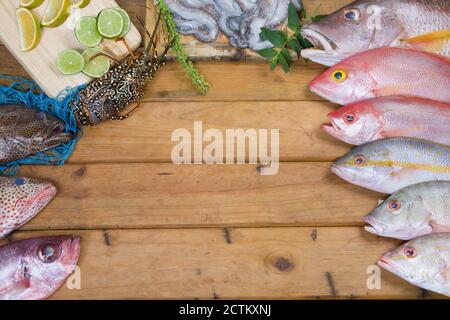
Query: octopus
point(239, 20)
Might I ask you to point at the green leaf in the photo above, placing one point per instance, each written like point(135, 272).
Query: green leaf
point(295, 45)
point(268, 53)
point(277, 38)
point(293, 18)
point(285, 52)
point(317, 18)
point(283, 62)
point(273, 64)
point(304, 42)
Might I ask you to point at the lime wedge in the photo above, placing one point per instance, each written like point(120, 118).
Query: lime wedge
point(70, 62)
point(31, 4)
point(110, 23)
point(56, 13)
point(29, 29)
point(98, 66)
point(126, 21)
point(80, 3)
point(86, 32)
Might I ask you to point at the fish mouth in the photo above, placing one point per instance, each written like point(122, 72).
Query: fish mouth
point(332, 128)
point(385, 264)
point(325, 51)
point(372, 226)
point(319, 40)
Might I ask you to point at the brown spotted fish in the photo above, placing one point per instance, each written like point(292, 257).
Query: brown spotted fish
point(21, 199)
point(24, 132)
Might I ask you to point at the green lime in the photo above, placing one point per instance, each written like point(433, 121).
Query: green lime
point(86, 32)
point(126, 21)
point(70, 62)
point(110, 23)
point(98, 66)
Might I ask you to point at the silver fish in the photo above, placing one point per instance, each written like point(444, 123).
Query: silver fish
point(412, 212)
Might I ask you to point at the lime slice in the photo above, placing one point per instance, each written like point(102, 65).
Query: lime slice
point(70, 62)
point(80, 3)
point(31, 4)
point(29, 29)
point(126, 21)
point(110, 23)
point(86, 32)
point(56, 13)
point(96, 67)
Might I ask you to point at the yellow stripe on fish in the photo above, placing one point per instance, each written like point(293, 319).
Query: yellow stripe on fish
point(406, 165)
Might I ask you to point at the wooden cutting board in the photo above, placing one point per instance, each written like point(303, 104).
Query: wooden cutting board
point(40, 63)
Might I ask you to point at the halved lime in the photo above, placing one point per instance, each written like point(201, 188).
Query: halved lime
point(70, 62)
point(80, 3)
point(86, 32)
point(126, 21)
point(56, 13)
point(29, 29)
point(110, 23)
point(98, 66)
point(31, 4)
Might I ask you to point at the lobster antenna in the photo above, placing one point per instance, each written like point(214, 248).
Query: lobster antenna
point(152, 37)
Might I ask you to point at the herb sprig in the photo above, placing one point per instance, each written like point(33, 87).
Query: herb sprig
point(197, 79)
point(284, 42)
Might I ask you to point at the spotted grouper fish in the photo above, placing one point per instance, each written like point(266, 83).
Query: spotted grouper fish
point(414, 211)
point(34, 269)
point(424, 262)
point(392, 164)
point(385, 72)
point(21, 199)
point(369, 24)
point(24, 132)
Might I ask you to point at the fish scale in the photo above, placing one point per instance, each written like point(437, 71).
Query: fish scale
point(389, 165)
point(25, 131)
point(21, 199)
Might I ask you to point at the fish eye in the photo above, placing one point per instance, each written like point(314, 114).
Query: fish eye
point(352, 15)
point(49, 252)
point(360, 160)
point(410, 252)
point(349, 118)
point(339, 75)
point(394, 205)
point(19, 182)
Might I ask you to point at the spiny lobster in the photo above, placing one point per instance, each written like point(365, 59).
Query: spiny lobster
point(106, 97)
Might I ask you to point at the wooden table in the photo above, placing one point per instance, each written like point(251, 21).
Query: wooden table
point(153, 230)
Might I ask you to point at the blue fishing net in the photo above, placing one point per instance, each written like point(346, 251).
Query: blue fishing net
point(27, 93)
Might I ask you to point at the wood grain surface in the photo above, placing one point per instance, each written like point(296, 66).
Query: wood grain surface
point(155, 230)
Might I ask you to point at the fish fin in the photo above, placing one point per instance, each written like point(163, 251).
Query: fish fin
point(437, 228)
point(403, 173)
point(15, 290)
point(432, 42)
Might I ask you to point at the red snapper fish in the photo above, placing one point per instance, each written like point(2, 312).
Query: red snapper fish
point(369, 24)
point(393, 116)
point(385, 72)
point(21, 199)
point(423, 262)
point(36, 268)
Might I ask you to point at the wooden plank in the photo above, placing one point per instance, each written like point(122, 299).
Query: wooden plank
point(167, 196)
point(41, 62)
point(235, 81)
point(146, 136)
point(221, 49)
point(286, 263)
